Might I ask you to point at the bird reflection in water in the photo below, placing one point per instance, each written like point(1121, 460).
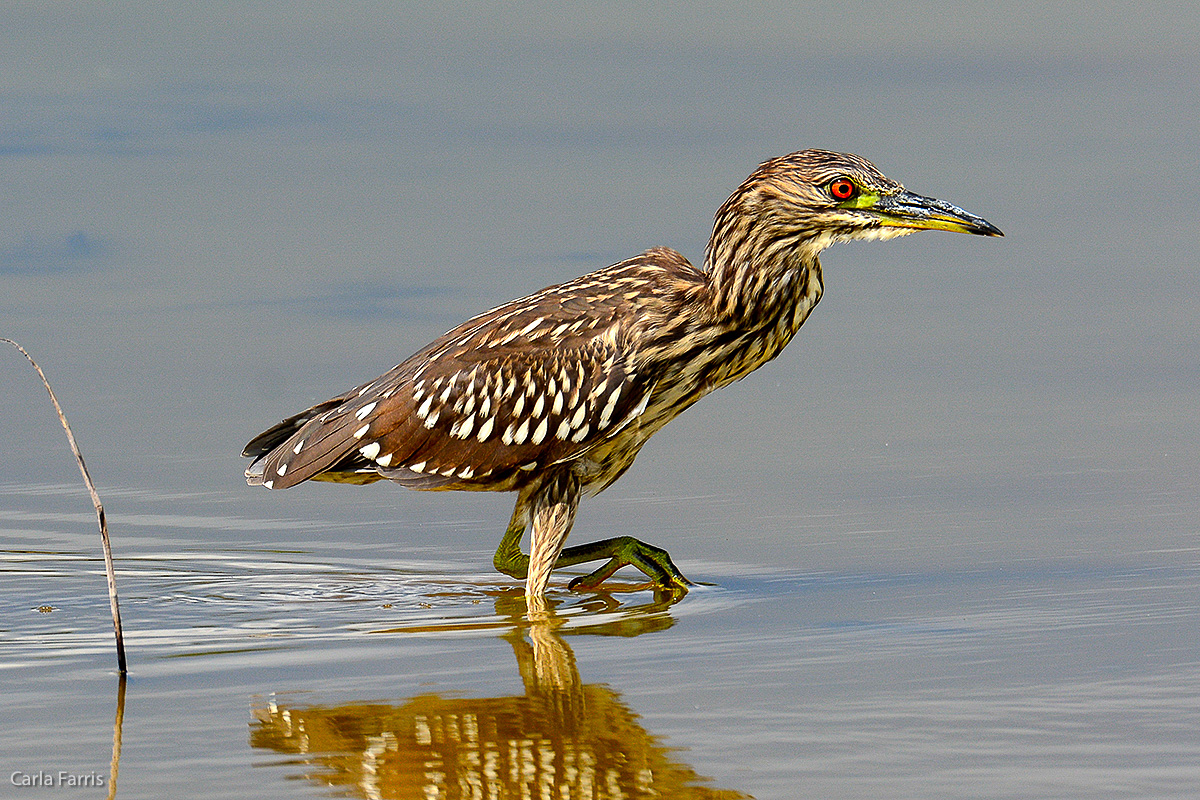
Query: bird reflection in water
point(561, 738)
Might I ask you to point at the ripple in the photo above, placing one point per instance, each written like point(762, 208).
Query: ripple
point(186, 604)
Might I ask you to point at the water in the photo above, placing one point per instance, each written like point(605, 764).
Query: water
point(354, 673)
point(948, 537)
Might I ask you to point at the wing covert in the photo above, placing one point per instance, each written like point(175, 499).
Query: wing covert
point(528, 384)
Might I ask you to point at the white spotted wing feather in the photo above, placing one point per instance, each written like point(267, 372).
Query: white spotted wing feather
point(534, 382)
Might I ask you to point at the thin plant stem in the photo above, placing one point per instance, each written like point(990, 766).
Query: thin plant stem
point(118, 724)
point(87, 480)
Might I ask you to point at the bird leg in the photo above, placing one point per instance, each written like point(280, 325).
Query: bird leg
point(548, 509)
point(553, 513)
point(624, 551)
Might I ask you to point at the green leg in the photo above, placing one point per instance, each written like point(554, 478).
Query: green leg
point(550, 508)
point(509, 559)
point(624, 551)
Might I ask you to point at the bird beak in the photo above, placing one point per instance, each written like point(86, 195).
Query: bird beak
point(907, 210)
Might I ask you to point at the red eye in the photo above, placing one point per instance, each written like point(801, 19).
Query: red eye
point(842, 189)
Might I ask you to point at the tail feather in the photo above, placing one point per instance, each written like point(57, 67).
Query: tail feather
point(262, 445)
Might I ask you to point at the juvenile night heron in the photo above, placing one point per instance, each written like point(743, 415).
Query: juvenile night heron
point(552, 395)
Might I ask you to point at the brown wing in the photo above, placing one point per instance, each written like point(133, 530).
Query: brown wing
point(534, 382)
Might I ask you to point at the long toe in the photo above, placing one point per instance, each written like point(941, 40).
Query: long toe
point(654, 562)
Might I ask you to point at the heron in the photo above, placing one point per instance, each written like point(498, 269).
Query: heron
point(553, 395)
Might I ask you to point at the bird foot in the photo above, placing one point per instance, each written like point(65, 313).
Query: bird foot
point(625, 551)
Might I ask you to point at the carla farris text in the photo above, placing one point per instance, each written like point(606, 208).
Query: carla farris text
point(61, 778)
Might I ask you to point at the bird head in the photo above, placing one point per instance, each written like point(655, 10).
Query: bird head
point(813, 198)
